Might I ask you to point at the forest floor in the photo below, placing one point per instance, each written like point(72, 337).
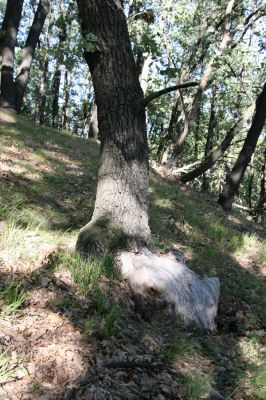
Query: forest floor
point(65, 324)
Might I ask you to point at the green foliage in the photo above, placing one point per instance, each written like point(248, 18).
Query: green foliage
point(13, 296)
point(195, 385)
point(260, 382)
point(181, 344)
point(87, 271)
point(6, 371)
point(91, 43)
point(110, 325)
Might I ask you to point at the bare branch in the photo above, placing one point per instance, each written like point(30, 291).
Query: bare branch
point(262, 6)
point(254, 209)
point(169, 89)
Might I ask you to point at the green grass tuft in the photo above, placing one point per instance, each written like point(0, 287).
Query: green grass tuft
point(13, 297)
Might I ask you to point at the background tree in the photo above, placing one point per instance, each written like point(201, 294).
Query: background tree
point(233, 180)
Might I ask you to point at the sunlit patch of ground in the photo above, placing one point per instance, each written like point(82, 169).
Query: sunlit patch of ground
point(8, 116)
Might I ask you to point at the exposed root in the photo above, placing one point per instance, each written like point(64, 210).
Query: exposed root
point(166, 279)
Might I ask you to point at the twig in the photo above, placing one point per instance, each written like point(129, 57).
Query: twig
point(135, 364)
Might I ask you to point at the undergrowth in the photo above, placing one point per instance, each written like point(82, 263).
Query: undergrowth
point(13, 297)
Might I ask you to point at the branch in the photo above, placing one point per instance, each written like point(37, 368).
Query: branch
point(169, 89)
point(248, 208)
point(254, 13)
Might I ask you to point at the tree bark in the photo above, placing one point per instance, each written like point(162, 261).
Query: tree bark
point(234, 178)
point(120, 218)
point(2, 38)
point(29, 50)
point(43, 88)
point(250, 181)
point(64, 122)
point(209, 140)
point(214, 156)
point(56, 88)
point(13, 17)
point(58, 70)
point(262, 199)
point(122, 193)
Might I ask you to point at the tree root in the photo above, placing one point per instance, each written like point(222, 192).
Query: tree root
point(166, 280)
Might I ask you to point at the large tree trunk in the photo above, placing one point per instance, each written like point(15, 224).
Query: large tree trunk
point(122, 193)
point(214, 156)
point(120, 218)
point(12, 18)
point(29, 50)
point(234, 178)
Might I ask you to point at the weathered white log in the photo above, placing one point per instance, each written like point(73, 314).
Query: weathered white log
point(167, 279)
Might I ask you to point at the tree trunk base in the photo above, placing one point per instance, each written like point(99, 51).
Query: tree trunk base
point(166, 280)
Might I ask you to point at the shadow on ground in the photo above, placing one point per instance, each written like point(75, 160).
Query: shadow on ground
point(53, 176)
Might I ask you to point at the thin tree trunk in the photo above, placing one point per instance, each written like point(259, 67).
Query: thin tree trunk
point(29, 50)
point(86, 112)
point(93, 129)
point(209, 140)
point(233, 180)
point(58, 70)
point(66, 101)
point(197, 136)
point(250, 181)
point(143, 66)
point(2, 38)
point(214, 156)
point(262, 199)
point(204, 81)
point(43, 88)
point(13, 17)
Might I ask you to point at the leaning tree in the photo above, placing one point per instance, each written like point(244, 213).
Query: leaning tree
point(233, 180)
point(120, 219)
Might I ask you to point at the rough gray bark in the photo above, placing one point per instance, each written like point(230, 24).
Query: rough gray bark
point(29, 50)
point(234, 178)
point(214, 156)
point(13, 17)
point(122, 192)
point(120, 217)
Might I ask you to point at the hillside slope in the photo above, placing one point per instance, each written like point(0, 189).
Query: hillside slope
point(62, 320)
